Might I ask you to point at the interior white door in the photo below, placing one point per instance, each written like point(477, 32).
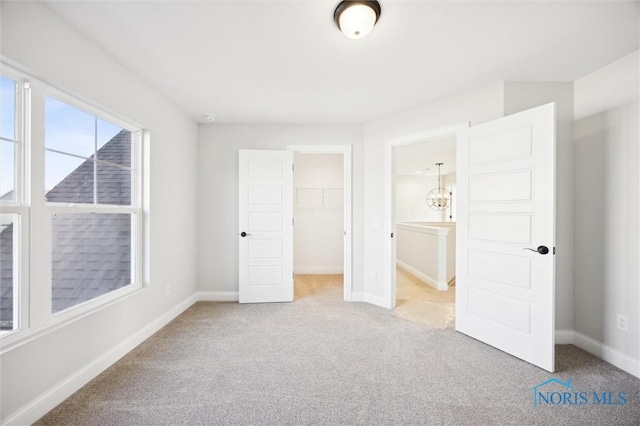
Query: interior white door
point(506, 224)
point(265, 226)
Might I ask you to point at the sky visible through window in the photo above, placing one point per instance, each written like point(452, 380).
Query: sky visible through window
point(7, 131)
point(68, 130)
point(75, 132)
point(7, 107)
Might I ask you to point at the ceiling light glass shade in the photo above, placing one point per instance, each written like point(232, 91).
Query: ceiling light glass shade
point(439, 198)
point(357, 18)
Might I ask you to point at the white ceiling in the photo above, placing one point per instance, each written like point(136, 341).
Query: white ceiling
point(286, 62)
point(419, 159)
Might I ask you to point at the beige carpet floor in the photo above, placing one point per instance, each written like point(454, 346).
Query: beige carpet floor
point(322, 361)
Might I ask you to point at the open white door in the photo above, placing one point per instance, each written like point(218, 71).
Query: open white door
point(506, 234)
point(265, 226)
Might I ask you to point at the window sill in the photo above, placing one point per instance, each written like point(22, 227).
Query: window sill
point(10, 340)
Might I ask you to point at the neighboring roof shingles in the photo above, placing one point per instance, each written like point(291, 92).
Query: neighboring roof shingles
point(91, 252)
point(6, 278)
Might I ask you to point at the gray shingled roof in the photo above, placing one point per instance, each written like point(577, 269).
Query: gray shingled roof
point(6, 278)
point(92, 252)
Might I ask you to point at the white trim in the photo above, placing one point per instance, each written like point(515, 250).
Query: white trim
point(44, 403)
point(311, 270)
point(607, 353)
point(600, 350)
point(357, 297)
point(438, 285)
point(346, 151)
point(217, 296)
point(389, 279)
point(424, 229)
point(375, 300)
point(65, 92)
point(16, 338)
point(564, 337)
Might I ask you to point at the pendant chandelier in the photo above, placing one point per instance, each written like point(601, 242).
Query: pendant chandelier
point(438, 198)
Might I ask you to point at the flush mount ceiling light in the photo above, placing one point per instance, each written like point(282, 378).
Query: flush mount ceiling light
point(357, 18)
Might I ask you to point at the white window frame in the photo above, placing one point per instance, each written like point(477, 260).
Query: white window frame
point(18, 206)
point(35, 308)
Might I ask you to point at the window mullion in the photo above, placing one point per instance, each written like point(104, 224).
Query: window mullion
point(90, 208)
point(95, 160)
point(22, 197)
point(40, 218)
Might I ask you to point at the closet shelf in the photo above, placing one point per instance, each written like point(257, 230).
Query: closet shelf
point(317, 198)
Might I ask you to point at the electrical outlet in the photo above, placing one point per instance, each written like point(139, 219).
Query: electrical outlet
point(167, 289)
point(622, 322)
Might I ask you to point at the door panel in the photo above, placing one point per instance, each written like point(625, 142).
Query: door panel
point(265, 226)
point(506, 205)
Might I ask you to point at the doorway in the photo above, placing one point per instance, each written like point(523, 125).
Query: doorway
point(322, 219)
point(449, 134)
point(424, 187)
point(505, 270)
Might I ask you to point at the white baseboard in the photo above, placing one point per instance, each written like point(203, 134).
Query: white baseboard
point(357, 297)
point(438, 285)
point(336, 270)
point(217, 296)
point(375, 300)
point(599, 349)
point(367, 298)
point(564, 337)
point(44, 403)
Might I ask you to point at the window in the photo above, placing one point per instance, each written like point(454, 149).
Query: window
point(88, 164)
point(76, 218)
point(10, 137)
point(88, 160)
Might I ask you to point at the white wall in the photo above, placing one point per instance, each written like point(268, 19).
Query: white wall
point(606, 200)
point(318, 212)
point(422, 251)
point(218, 201)
point(477, 107)
point(522, 96)
point(411, 196)
point(37, 40)
point(451, 246)
point(449, 179)
point(428, 251)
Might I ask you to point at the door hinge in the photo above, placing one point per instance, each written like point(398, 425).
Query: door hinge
point(293, 221)
point(293, 167)
point(392, 235)
point(554, 250)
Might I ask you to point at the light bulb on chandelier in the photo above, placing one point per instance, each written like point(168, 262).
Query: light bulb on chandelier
point(438, 198)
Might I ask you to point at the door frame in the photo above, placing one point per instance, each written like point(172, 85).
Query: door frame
point(346, 151)
point(390, 204)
